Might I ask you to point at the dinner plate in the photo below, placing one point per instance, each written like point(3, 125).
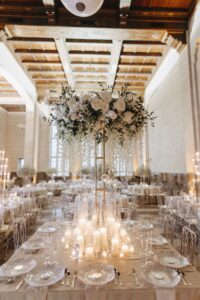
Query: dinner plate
point(160, 276)
point(48, 228)
point(17, 267)
point(159, 241)
point(96, 274)
point(33, 245)
point(146, 226)
point(45, 275)
point(172, 260)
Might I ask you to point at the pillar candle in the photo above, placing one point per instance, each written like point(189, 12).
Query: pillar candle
point(89, 253)
point(115, 246)
point(80, 241)
point(103, 238)
point(96, 240)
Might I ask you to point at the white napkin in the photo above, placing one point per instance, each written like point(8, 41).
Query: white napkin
point(95, 293)
point(37, 293)
point(165, 294)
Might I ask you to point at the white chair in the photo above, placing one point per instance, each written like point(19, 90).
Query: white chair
point(188, 244)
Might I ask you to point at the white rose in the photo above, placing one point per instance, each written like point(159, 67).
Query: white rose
point(111, 114)
point(120, 105)
point(127, 117)
point(73, 116)
point(59, 115)
point(133, 127)
point(72, 104)
point(96, 103)
point(106, 96)
point(86, 97)
point(104, 106)
point(102, 118)
point(66, 119)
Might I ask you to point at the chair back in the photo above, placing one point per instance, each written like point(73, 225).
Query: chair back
point(188, 243)
point(169, 228)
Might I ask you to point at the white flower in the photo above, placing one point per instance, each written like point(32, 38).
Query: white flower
point(104, 106)
point(96, 103)
point(133, 127)
point(130, 97)
point(72, 104)
point(86, 97)
point(59, 115)
point(120, 105)
point(73, 116)
point(111, 114)
point(66, 119)
point(106, 96)
point(102, 118)
point(127, 117)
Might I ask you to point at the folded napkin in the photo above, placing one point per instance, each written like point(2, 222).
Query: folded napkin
point(37, 293)
point(165, 294)
point(95, 292)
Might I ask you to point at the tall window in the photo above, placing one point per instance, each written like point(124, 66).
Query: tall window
point(58, 154)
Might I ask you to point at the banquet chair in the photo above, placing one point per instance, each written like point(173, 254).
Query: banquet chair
point(169, 228)
point(188, 244)
point(162, 208)
point(14, 237)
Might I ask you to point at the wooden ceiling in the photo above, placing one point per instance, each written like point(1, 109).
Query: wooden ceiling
point(6, 89)
point(142, 14)
point(82, 52)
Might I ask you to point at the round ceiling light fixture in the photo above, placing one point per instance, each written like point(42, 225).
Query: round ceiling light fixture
point(83, 8)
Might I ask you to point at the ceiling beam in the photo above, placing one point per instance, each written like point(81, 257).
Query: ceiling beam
point(41, 61)
point(138, 64)
point(52, 72)
point(124, 7)
point(36, 51)
point(93, 79)
point(65, 59)
point(114, 60)
point(50, 11)
point(21, 40)
point(46, 77)
point(142, 54)
point(141, 73)
point(10, 100)
point(130, 80)
point(58, 32)
point(14, 72)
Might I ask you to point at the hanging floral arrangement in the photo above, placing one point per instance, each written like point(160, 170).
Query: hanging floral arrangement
point(100, 115)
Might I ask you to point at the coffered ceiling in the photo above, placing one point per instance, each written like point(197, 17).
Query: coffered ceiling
point(122, 43)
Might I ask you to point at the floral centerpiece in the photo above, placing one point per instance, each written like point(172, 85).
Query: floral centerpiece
point(26, 172)
point(51, 171)
point(100, 115)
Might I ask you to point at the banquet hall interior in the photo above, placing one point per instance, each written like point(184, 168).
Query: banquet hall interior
point(99, 149)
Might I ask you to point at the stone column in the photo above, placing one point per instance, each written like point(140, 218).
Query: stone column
point(31, 144)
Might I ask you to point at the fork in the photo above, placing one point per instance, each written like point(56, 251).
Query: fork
point(186, 279)
point(136, 279)
point(115, 278)
point(182, 277)
point(63, 280)
point(119, 278)
point(68, 279)
point(74, 278)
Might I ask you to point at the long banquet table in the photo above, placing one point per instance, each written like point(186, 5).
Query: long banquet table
point(128, 290)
